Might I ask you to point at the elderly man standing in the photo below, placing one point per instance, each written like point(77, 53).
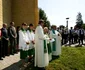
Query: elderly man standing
point(48, 43)
point(5, 40)
point(39, 46)
point(12, 37)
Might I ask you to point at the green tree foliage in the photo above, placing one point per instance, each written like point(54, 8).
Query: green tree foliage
point(42, 15)
point(79, 21)
point(83, 26)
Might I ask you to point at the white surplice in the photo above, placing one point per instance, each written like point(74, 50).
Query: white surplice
point(31, 38)
point(40, 56)
point(23, 38)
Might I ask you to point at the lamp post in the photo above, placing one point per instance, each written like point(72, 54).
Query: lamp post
point(67, 22)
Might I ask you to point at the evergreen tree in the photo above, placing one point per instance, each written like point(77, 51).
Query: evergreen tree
point(42, 15)
point(79, 20)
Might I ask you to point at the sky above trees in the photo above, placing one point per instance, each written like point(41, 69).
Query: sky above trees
point(58, 10)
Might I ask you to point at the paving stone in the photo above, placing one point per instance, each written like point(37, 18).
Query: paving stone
point(10, 62)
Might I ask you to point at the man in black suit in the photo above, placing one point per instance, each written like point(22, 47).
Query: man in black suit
point(81, 35)
point(12, 37)
point(71, 31)
point(5, 40)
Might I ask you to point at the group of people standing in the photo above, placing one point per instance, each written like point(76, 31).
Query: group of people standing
point(8, 40)
point(42, 44)
point(73, 36)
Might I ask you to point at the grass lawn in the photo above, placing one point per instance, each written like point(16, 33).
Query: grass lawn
point(71, 59)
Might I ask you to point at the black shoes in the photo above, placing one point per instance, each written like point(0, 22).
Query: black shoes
point(1, 59)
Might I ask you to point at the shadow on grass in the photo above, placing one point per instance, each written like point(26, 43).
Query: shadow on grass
point(55, 57)
point(78, 45)
point(31, 66)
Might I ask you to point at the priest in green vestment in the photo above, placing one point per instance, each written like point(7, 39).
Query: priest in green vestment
point(56, 45)
point(48, 44)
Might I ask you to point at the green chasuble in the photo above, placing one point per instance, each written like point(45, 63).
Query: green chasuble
point(54, 43)
point(47, 45)
point(49, 48)
point(45, 48)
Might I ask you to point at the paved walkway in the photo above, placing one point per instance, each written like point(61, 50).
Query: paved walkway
point(11, 62)
point(74, 45)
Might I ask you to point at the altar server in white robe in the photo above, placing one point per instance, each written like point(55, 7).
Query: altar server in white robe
point(56, 45)
point(31, 38)
point(23, 43)
point(40, 51)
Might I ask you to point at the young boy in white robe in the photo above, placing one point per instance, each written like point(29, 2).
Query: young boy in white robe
point(31, 38)
point(40, 49)
point(23, 43)
point(48, 43)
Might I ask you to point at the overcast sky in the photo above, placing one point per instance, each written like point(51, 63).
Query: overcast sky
point(58, 10)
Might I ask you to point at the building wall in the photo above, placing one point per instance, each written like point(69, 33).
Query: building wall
point(1, 14)
point(25, 11)
point(6, 4)
point(19, 11)
point(36, 12)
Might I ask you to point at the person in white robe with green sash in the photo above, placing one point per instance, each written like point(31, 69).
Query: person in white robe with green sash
point(40, 46)
point(59, 38)
point(23, 43)
point(56, 45)
point(31, 38)
point(48, 43)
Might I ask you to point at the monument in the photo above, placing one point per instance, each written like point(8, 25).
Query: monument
point(19, 11)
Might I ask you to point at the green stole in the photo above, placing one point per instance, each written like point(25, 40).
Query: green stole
point(45, 48)
point(30, 30)
point(54, 43)
point(23, 30)
point(49, 48)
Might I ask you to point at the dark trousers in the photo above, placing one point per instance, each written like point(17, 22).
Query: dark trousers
point(65, 38)
point(12, 46)
point(70, 39)
point(62, 40)
point(17, 48)
point(76, 38)
point(4, 47)
point(0, 50)
point(81, 37)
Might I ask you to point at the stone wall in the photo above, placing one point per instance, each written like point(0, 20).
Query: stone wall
point(1, 21)
point(25, 11)
point(7, 11)
point(19, 11)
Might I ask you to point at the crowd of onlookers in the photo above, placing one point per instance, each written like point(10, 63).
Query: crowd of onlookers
point(72, 36)
point(9, 40)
